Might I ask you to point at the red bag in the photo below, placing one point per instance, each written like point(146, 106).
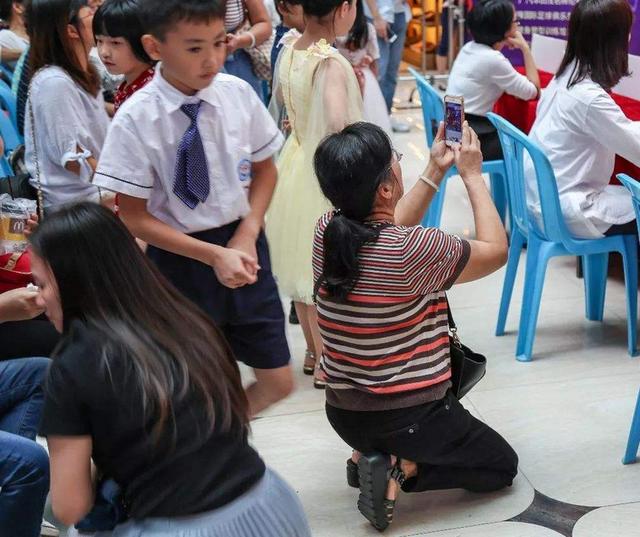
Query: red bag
point(15, 271)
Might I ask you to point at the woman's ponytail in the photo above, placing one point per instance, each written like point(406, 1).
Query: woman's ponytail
point(350, 165)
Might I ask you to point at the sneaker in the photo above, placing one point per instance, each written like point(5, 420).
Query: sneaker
point(399, 126)
point(48, 530)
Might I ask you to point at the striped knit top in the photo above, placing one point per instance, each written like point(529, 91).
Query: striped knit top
point(387, 345)
point(234, 15)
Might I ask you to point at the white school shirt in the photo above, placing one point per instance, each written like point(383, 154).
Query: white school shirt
point(581, 130)
point(66, 117)
point(139, 156)
point(12, 41)
point(482, 74)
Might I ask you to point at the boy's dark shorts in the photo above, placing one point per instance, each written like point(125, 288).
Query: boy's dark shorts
point(251, 317)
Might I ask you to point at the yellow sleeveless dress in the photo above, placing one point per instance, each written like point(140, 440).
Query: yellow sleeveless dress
point(320, 93)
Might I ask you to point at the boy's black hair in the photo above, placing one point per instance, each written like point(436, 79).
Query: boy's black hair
point(158, 16)
point(121, 18)
point(490, 20)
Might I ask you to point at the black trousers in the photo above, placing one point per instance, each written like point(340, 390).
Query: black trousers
point(630, 228)
point(451, 448)
point(488, 135)
point(26, 339)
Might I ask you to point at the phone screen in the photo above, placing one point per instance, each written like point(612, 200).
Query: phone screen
point(453, 122)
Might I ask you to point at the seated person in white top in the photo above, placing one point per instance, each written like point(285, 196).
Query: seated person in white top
point(68, 109)
point(481, 73)
point(581, 128)
point(13, 40)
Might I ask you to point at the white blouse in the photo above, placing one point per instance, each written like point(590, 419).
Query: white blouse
point(70, 125)
point(482, 74)
point(581, 130)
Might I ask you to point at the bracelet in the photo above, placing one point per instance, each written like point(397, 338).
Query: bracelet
point(253, 38)
point(429, 182)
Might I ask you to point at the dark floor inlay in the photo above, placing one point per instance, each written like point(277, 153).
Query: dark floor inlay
point(553, 514)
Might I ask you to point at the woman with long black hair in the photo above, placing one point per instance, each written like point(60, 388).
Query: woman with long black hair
point(582, 129)
point(146, 386)
point(69, 118)
point(382, 310)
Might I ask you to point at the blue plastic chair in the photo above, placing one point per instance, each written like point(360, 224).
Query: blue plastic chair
point(9, 134)
point(433, 114)
point(634, 433)
point(551, 238)
point(8, 103)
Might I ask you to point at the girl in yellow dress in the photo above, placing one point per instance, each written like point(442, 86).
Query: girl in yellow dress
point(320, 93)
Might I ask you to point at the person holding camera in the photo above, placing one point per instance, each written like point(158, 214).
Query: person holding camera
point(381, 282)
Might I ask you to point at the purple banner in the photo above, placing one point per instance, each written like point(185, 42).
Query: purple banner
point(634, 47)
point(551, 18)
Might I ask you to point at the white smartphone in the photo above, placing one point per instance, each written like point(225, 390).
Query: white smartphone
point(453, 119)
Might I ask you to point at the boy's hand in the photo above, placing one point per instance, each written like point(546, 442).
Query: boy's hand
point(247, 244)
point(19, 305)
point(235, 268)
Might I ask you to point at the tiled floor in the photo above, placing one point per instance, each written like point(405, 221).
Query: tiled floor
point(566, 413)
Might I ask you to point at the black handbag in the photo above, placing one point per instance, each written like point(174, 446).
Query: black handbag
point(109, 509)
point(467, 367)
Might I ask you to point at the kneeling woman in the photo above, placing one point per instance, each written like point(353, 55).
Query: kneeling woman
point(146, 385)
point(381, 282)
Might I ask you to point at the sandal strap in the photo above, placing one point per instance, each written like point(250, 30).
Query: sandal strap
point(398, 475)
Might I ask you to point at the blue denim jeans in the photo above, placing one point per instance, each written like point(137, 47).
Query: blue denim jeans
point(390, 57)
point(24, 465)
point(239, 64)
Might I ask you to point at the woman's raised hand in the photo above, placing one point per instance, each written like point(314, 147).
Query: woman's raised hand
point(468, 156)
point(442, 156)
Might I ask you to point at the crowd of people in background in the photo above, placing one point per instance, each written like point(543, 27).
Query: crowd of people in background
point(195, 163)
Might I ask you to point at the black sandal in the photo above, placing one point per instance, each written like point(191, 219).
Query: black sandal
point(374, 473)
point(353, 480)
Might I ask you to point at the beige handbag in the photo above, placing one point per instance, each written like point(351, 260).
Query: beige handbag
point(260, 55)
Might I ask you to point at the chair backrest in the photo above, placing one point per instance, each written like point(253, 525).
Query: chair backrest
point(8, 103)
point(632, 186)
point(432, 106)
point(515, 144)
point(9, 134)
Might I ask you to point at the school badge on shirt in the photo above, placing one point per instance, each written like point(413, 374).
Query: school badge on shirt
point(244, 170)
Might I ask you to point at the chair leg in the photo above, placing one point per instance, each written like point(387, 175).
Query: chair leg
point(595, 284)
point(515, 250)
point(434, 214)
point(538, 254)
point(499, 194)
point(634, 436)
point(630, 262)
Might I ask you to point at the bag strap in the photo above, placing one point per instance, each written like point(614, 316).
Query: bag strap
point(35, 155)
point(453, 329)
point(13, 261)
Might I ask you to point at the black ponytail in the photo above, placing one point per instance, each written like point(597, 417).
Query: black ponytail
point(350, 166)
point(320, 8)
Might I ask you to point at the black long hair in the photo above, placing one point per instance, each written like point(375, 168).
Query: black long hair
point(122, 18)
point(107, 284)
point(598, 42)
point(359, 33)
point(47, 22)
point(350, 166)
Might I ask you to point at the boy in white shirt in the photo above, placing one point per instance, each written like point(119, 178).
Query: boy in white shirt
point(190, 155)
